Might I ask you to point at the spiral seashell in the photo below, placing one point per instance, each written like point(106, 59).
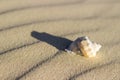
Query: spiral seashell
point(84, 45)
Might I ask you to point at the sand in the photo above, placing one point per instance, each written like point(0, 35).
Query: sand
point(34, 34)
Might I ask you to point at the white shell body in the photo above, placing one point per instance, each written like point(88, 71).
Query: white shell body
point(84, 45)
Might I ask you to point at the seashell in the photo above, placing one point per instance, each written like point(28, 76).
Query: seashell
point(85, 46)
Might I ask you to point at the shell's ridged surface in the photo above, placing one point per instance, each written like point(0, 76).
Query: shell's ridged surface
point(83, 44)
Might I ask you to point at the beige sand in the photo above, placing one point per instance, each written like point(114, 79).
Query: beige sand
point(34, 34)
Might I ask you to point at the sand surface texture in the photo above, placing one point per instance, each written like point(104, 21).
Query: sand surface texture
point(34, 34)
